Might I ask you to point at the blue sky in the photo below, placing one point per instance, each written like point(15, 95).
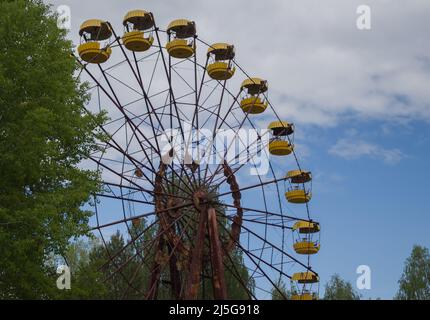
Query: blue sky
point(369, 194)
point(361, 105)
point(372, 211)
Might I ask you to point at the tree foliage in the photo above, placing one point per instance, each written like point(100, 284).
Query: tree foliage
point(114, 271)
point(414, 283)
point(281, 292)
point(105, 271)
point(339, 289)
point(44, 135)
point(121, 268)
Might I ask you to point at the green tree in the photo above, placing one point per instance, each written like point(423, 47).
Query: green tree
point(86, 277)
point(237, 276)
point(105, 271)
point(44, 135)
point(281, 291)
point(414, 283)
point(119, 269)
point(339, 289)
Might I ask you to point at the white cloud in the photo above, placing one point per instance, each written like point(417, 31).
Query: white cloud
point(350, 149)
point(321, 68)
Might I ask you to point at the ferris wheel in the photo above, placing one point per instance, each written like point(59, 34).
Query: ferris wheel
point(200, 174)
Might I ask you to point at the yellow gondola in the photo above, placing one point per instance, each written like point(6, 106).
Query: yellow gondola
point(304, 296)
point(305, 277)
point(306, 247)
point(93, 32)
point(280, 147)
point(135, 23)
point(299, 176)
point(254, 86)
point(306, 227)
point(281, 128)
point(298, 193)
point(279, 144)
point(253, 103)
point(220, 68)
point(179, 46)
point(298, 196)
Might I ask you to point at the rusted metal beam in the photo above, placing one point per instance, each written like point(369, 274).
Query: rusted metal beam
point(156, 269)
point(218, 278)
point(158, 260)
point(236, 226)
point(193, 279)
point(175, 277)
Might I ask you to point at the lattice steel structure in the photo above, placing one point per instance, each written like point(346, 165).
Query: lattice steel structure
point(187, 219)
